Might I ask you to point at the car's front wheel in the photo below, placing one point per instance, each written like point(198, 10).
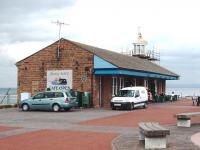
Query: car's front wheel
point(56, 108)
point(25, 107)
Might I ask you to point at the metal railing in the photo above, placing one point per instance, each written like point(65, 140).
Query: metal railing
point(8, 99)
point(150, 54)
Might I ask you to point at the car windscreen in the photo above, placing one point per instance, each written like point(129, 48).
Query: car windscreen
point(126, 93)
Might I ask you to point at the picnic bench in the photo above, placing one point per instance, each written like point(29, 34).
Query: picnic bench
point(184, 119)
point(153, 135)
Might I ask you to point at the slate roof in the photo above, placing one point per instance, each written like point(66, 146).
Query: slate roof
point(124, 61)
point(119, 60)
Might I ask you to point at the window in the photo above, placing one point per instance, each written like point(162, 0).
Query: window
point(59, 94)
point(134, 82)
point(126, 93)
point(156, 86)
point(145, 83)
point(138, 49)
point(121, 83)
point(142, 49)
point(50, 95)
point(137, 93)
point(68, 93)
point(135, 49)
point(39, 96)
point(73, 93)
point(143, 92)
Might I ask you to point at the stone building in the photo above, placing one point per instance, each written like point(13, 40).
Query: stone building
point(86, 68)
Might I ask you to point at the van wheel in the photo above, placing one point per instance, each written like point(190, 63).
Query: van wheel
point(56, 108)
point(145, 105)
point(131, 106)
point(113, 108)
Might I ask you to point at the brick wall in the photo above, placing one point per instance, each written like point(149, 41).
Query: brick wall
point(106, 91)
point(32, 71)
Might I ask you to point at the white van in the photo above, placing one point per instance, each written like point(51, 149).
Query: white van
point(130, 98)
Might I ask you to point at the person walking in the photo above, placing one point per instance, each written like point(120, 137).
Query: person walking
point(172, 97)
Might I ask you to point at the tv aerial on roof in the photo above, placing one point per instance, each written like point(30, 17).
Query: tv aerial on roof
point(60, 24)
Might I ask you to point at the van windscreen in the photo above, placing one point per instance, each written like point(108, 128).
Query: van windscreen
point(126, 93)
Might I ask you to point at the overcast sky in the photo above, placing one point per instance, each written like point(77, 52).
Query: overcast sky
point(170, 26)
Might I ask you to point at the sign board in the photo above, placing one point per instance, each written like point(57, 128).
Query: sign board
point(59, 79)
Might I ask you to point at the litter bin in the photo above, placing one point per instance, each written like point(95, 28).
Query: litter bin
point(198, 101)
point(155, 98)
point(167, 97)
point(78, 96)
point(161, 99)
point(86, 99)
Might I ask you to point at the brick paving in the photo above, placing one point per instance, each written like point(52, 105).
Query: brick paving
point(58, 140)
point(5, 128)
point(179, 139)
point(162, 113)
point(92, 129)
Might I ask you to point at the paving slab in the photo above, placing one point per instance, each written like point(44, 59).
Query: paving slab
point(196, 139)
point(121, 127)
point(58, 140)
point(179, 139)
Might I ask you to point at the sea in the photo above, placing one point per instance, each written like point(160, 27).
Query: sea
point(183, 91)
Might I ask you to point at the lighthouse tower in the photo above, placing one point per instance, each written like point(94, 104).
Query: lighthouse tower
point(140, 49)
point(140, 46)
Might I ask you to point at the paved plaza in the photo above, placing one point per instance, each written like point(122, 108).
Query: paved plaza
point(98, 129)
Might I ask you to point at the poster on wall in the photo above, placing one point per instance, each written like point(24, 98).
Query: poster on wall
point(59, 79)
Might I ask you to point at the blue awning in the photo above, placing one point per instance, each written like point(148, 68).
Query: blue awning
point(133, 73)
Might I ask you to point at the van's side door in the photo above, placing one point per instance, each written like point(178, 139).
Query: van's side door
point(137, 97)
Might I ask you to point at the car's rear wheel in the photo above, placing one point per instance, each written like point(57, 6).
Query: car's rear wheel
point(25, 107)
point(56, 108)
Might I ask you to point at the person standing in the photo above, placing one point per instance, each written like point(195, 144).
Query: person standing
point(172, 96)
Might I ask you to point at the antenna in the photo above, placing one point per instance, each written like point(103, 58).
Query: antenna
point(60, 24)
